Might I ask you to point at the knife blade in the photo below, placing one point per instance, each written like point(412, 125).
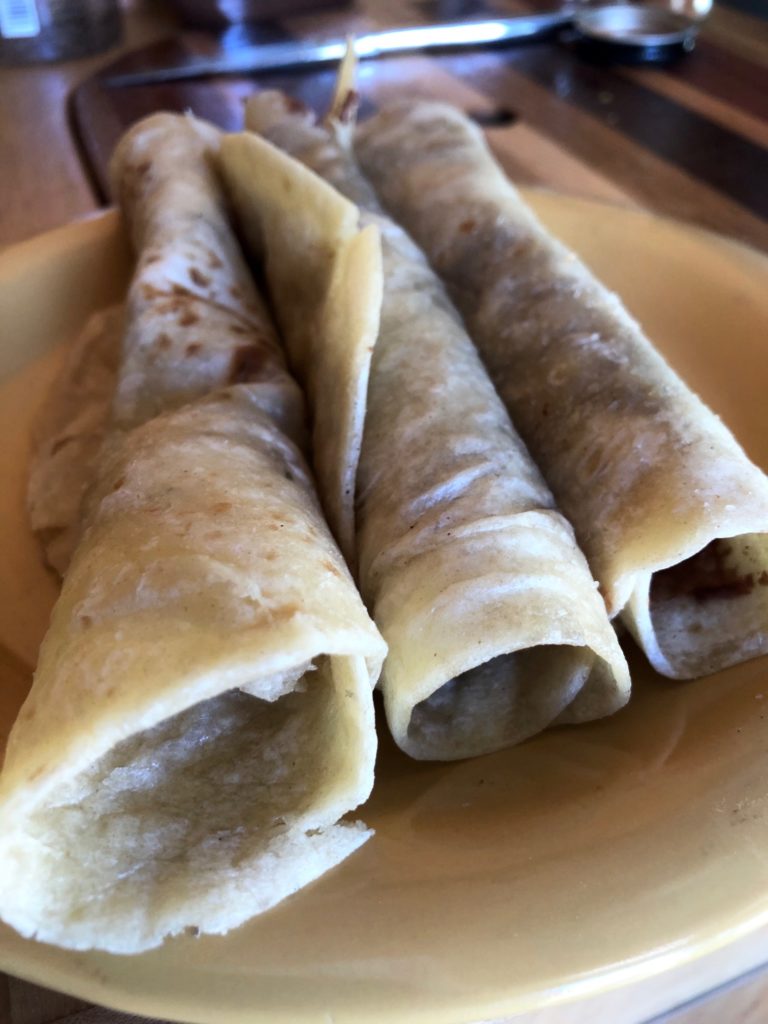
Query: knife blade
point(304, 53)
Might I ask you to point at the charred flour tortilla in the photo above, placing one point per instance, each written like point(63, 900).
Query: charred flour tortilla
point(201, 715)
point(195, 320)
point(494, 625)
point(68, 434)
point(671, 514)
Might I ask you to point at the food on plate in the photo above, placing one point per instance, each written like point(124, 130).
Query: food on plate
point(325, 280)
point(201, 716)
point(494, 625)
point(670, 512)
point(68, 434)
point(195, 320)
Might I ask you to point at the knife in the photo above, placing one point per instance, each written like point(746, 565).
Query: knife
point(278, 56)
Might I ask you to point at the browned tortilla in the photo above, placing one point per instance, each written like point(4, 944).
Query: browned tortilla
point(201, 719)
point(646, 473)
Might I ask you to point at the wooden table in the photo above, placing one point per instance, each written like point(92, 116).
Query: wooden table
point(690, 141)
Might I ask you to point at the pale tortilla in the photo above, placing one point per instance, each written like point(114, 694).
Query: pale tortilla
point(325, 280)
point(201, 715)
point(68, 433)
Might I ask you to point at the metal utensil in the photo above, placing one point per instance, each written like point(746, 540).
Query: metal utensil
point(588, 22)
point(634, 33)
point(303, 53)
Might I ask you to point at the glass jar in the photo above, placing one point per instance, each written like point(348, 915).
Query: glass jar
point(47, 30)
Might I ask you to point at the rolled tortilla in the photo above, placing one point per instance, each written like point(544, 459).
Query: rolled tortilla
point(671, 514)
point(194, 320)
point(325, 279)
point(68, 434)
point(201, 715)
point(494, 625)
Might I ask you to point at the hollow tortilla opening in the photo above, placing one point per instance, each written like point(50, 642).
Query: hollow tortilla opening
point(175, 819)
point(500, 702)
point(710, 611)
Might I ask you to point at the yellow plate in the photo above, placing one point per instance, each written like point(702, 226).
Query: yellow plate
point(584, 858)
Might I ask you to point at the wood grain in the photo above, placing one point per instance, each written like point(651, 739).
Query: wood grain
point(43, 179)
point(719, 111)
point(30, 1004)
point(739, 33)
point(596, 139)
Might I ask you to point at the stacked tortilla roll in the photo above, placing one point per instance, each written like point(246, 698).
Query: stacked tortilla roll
point(201, 715)
point(494, 625)
point(671, 514)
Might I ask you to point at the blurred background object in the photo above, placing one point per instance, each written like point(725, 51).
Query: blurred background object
point(631, 33)
point(692, 8)
point(220, 13)
point(50, 30)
